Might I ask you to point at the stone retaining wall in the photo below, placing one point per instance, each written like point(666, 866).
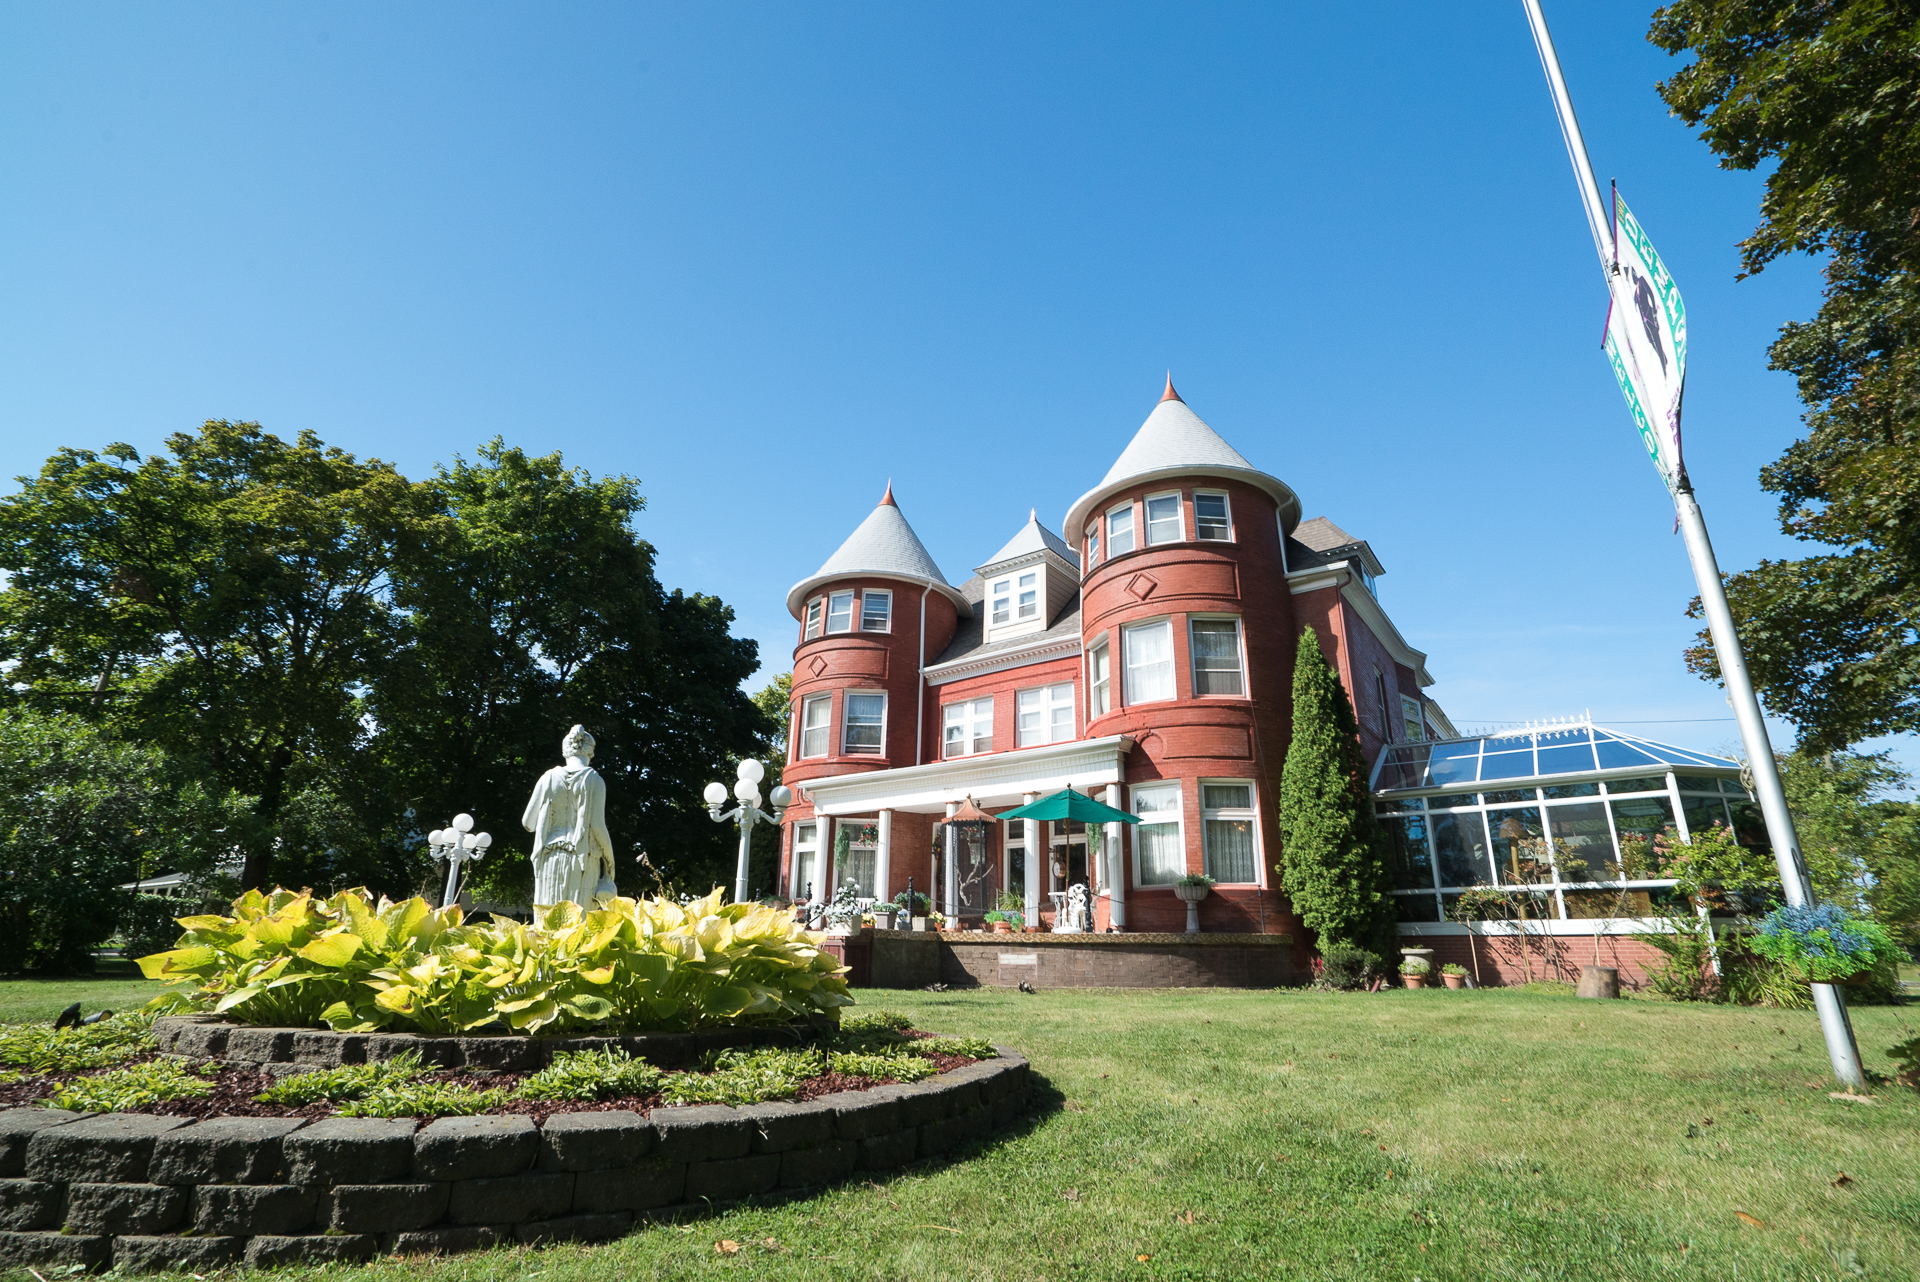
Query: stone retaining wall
point(913, 959)
point(143, 1193)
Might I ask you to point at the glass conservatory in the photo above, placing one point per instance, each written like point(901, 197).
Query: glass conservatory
point(1544, 810)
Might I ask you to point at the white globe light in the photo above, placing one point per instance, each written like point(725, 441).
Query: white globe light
point(437, 838)
point(782, 797)
point(463, 822)
point(482, 841)
point(715, 794)
point(752, 771)
point(747, 791)
point(468, 841)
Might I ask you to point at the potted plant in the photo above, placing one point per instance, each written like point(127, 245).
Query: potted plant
point(1823, 943)
point(1454, 975)
point(843, 915)
point(1415, 971)
point(1191, 889)
point(997, 923)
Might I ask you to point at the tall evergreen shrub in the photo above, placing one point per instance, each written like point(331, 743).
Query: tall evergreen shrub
point(1332, 868)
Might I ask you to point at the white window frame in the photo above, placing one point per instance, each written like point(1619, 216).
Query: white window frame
point(1047, 701)
point(1413, 718)
point(1125, 509)
point(1240, 649)
point(1249, 813)
point(885, 597)
point(1093, 545)
point(972, 717)
point(1179, 534)
point(1028, 583)
point(816, 618)
point(825, 728)
point(1226, 507)
point(811, 848)
point(1143, 791)
point(1099, 683)
point(1127, 633)
point(834, 599)
point(998, 596)
point(846, 723)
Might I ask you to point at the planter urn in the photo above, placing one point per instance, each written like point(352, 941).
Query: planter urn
point(1191, 896)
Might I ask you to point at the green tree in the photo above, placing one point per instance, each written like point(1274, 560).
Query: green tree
point(1827, 93)
point(80, 816)
point(225, 602)
point(775, 702)
point(1861, 843)
point(533, 607)
point(1332, 867)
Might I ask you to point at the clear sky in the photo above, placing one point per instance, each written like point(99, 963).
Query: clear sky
point(764, 257)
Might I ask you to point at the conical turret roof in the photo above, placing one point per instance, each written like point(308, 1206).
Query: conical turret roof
point(882, 546)
point(1176, 442)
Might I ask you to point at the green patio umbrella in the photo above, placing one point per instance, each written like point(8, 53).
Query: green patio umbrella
point(1068, 804)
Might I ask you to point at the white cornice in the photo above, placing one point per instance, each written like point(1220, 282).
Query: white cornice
point(1085, 763)
point(999, 660)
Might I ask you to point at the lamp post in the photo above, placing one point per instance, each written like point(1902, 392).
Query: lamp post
point(747, 789)
point(458, 844)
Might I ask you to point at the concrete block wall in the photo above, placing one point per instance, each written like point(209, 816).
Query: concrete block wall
point(146, 1194)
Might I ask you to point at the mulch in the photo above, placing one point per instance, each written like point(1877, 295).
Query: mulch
point(234, 1090)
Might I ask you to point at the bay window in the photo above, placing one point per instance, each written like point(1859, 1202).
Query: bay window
point(816, 719)
point(968, 727)
point(1216, 657)
point(866, 718)
point(840, 612)
point(1159, 845)
point(1163, 519)
point(1149, 659)
point(1227, 828)
point(1045, 714)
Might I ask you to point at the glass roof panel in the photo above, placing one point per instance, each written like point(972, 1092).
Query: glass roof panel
point(1565, 758)
point(1562, 750)
point(1615, 755)
point(1507, 765)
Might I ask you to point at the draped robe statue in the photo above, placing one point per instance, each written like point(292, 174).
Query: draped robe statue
point(567, 815)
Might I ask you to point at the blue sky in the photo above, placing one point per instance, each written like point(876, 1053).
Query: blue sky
point(765, 257)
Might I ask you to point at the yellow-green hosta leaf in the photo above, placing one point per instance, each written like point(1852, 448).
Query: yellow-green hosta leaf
point(398, 999)
point(202, 922)
point(533, 1016)
point(598, 975)
point(237, 996)
point(332, 950)
point(272, 932)
point(180, 961)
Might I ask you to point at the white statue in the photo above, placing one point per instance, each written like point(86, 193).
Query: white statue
point(1076, 922)
point(567, 815)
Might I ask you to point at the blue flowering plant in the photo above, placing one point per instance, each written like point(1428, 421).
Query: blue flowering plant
point(1822, 943)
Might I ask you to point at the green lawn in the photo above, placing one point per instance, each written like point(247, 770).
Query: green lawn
point(117, 986)
point(1432, 1135)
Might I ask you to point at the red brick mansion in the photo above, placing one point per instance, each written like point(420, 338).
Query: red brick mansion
point(1148, 663)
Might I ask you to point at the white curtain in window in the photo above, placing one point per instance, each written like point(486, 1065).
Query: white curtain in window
point(1149, 662)
point(1216, 657)
point(1230, 850)
point(1161, 854)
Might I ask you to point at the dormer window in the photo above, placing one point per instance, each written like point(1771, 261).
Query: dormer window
point(1015, 598)
point(1120, 530)
point(876, 610)
point(840, 612)
point(1163, 519)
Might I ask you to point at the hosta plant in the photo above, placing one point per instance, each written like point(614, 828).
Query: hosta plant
point(1822, 942)
point(136, 1086)
point(623, 965)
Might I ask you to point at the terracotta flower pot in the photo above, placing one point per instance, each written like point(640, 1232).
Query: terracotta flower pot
point(1001, 928)
point(1415, 981)
point(1455, 981)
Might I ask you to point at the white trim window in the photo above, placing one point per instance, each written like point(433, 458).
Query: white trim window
point(840, 612)
point(1212, 517)
point(1215, 648)
point(968, 727)
point(1228, 828)
point(1410, 716)
point(865, 715)
point(1099, 680)
point(1120, 530)
point(816, 724)
point(814, 608)
point(1149, 657)
point(1014, 599)
point(1093, 545)
point(1044, 714)
point(1163, 519)
point(806, 862)
point(1159, 843)
point(876, 610)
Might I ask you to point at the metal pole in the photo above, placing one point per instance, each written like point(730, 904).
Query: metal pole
point(1834, 1025)
point(453, 877)
point(746, 846)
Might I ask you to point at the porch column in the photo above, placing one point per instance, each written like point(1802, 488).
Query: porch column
point(882, 859)
point(1116, 861)
point(823, 887)
point(1034, 856)
point(950, 880)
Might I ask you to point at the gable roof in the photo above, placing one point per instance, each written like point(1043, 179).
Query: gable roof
point(969, 646)
point(882, 546)
point(1176, 442)
point(1033, 537)
point(1318, 541)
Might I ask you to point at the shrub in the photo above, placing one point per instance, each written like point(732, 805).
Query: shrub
point(1344, 967)
point(1822, 942)
point(343, 1084)
point(45, 1049)
point(136, 1086)
point(292, 959)
point(585, 1075)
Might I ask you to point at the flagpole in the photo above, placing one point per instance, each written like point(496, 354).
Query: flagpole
point(1827, 1000)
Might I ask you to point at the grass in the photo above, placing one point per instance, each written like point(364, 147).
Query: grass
point(117, 985)
point(1432, 1135)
